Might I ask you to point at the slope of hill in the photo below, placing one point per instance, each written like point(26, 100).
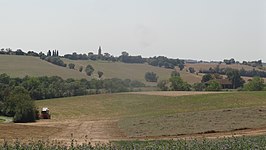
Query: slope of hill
point(206, 66)
point(122, 70)
point(20, 66)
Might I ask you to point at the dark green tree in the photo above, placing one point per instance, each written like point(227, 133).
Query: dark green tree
point(214, 86)
point(71, 66)
point(151, 77)
point(80, 68)
point(256, 84)
point(234, 76)
point(100, 74)
point(177, 84)
point(89, 70)
point(206, 78)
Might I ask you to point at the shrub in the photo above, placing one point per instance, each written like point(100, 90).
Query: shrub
point(256, 84)
point(177, 84)
point(151, 77)
point(214, 86)
point(199, 86)
point(71, 66)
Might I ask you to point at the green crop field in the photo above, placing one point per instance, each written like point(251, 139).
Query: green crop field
point(146, 115)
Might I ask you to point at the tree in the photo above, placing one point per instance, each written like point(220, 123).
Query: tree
point(234, 76)
point(181, 66)
point(100, 74)
point(175, 73)
point(206, 78)
point(163, 85)
point(80, 68)
point(177, 84)
point(256, 84)
point(191, 70)
point(151, 77)
point(71, 66)
point(214, 86)
point(199, 86)
point(89, 70)
point(49, 53)
point(20, 106)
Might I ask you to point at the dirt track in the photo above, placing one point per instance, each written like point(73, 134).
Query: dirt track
point(98, 131)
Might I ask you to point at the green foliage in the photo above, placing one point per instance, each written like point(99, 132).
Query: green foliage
point(234, 143)
point(199, 86)
point(181, 66)
point(234, 76)
point(89, 70)
point(256, 84)
point(100, 74)
point(151, 77)
point(71, 66)
point(214, 86)
point(191, 70)
point(80, 68)
point(175, 73)
point(19, 105)
point(163, 85)
point(177, 84)
point(55, 60)
point(206, 78)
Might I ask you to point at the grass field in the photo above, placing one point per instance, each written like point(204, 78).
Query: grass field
point(145, 115)
point(122, 70)
point(206, 66)
point(20, 66)
point(140, 116)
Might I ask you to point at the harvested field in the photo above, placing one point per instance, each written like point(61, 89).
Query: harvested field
point(174, 93)
point(103, 118)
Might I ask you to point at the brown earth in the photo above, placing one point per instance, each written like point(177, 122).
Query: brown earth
point(97, 131)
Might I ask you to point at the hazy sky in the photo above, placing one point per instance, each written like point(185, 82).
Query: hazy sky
point(197, 29)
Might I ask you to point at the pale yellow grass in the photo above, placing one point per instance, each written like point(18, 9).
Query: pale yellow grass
point(21, 66)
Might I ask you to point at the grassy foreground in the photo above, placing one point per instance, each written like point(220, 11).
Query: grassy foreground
point(155, 116)
point(240, 143)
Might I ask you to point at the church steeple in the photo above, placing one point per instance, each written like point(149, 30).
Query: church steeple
point(99, 51)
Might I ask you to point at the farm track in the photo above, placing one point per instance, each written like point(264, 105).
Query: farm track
point(100, 131)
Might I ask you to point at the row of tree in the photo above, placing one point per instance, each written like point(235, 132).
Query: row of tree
point(210, 82)
point(242, 72)
point(55, 87)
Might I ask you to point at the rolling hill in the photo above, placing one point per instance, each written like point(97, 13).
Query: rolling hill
point(20, 66)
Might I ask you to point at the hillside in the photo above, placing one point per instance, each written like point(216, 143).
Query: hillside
point(20, 66)
point(139, 116)
point(122, 70)
point(206, 66)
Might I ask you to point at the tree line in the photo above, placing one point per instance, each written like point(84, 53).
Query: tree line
point(242, 72)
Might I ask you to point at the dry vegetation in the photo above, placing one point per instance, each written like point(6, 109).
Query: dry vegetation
point(20, 66)
point(206, 66)
point(122, 70)
point(139, 116)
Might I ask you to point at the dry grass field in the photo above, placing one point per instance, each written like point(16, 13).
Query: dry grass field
point(140, 116)
point(20, 66)
point(122, 70)
point(206, 66)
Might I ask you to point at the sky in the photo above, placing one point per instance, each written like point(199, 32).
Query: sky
point(186, 29)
